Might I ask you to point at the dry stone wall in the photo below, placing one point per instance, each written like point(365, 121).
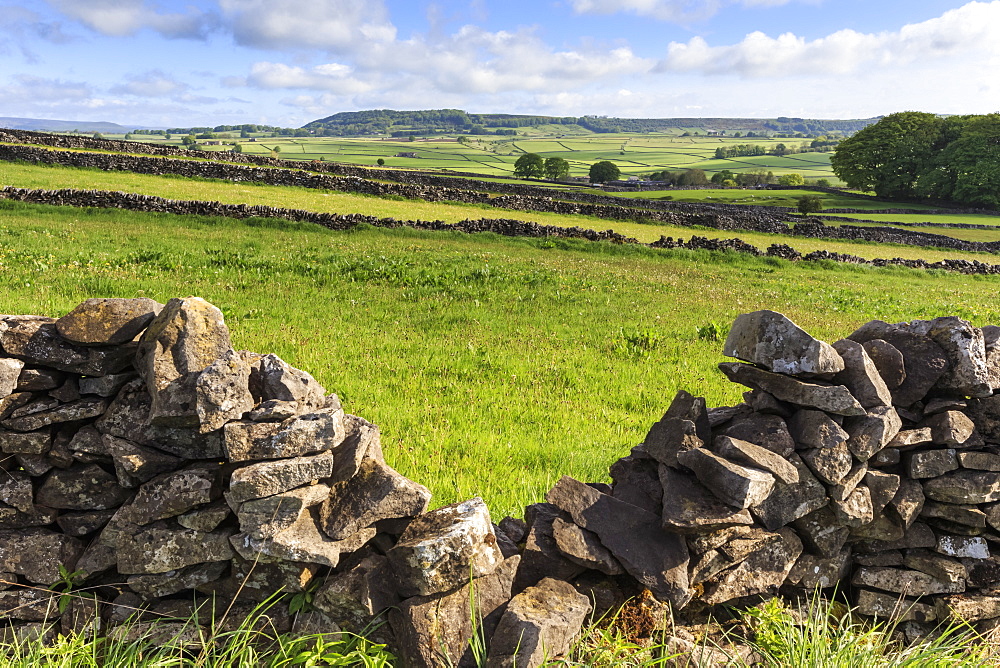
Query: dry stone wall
point(171, 472)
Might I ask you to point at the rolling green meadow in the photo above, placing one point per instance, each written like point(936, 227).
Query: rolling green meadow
point(492, 365)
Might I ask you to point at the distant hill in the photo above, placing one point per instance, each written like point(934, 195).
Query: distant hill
point(443, 121)
point(43, 124)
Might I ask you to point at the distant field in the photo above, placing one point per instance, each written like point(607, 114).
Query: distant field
point(492, 365)
point(635, 154)
point(173, 187)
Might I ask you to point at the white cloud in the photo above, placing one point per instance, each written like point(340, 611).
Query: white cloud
point(332, 25)
point(971, 29)
point(118, 18)
point(332, 77)
point(678, 11)
point(154, 83)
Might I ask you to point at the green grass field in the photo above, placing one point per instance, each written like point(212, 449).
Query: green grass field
point(492, 365)
point(635, 154)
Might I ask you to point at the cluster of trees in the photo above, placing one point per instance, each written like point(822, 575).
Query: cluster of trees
point(913, 155)
point(748, 150)
point(534, 166)
point(740, 151)
point(698, 177)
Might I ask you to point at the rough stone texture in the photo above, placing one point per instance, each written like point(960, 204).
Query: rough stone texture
point(36, 554)
point(924, 360)
point(84, 409)
point(834, 399)
point(967, 607)
point(584, 548)
point(949, 428)
point(775, 342)
point(81, 488)
point(761, 572)
point(810, 571)
point(872, 432)
point(742, 452)
point(355, 597)
point(689, 507)
point(855, 510)
point(767, 431)
point(739, 486)
point(442, 549)
point(187, 336)
point(10, 372)
point(905, 582)
point(931, 463)
point(222, 391)
point(969, 547)
point(790, 502)
point(979, 461)
point(432, 631)
point(303, 542)
point(831, 465)
point(294, 437)
point(891, 606)
point(172, 494)
point(161, 550)
point(107, 321)
point(861, 376)
point(538, 624)
point(266, 517)
point(964, 486)
point(656, 559)
point(638, 483)
point(36, 341)
point(273, 477)
point(376, 492)
point(888, 360)
point(821, 534)
point(816, 429)
point(965, 348)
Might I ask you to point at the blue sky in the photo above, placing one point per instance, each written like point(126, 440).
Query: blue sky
point(287, 62)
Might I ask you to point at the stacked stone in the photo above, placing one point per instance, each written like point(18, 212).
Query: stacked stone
point(157, 469)
point(872, 464)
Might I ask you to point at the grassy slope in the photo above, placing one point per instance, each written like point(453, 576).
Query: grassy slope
point(35, 176)
point(492, 365)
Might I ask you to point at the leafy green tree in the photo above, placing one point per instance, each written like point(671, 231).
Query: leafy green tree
point(380, 162)
point(810, 204)
point(792, 179)
point(556, 168)
point(967, 168)
point(887, 157)
point(724, 175)
point(693, 177)
point(604, 171)
point(530, 165)
point(188, 140)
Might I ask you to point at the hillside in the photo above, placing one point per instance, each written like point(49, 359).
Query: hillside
point(43, 124)
point(442, 121)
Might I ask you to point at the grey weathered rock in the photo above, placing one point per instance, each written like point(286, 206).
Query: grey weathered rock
point(275, 379)
point(105, 386)
point(81, 488)
point(376, 493)
point(966, 515)
point(10, 371)
point(657, 559)
point(892, 606)
point(584, 547)
point(967, 607)
point(905, 582)
point(855, 510)
point(222, 391)
point(355, 597)
point(174, 493)
point(273, 477)
point(790, 502)
point(670, 437)
point(205, 518)
point(303, 542)
point(965, 349)
point(924, 360)
point(742, 452)
point(541, 556)
point(440, 550)
point(16, 490)
point(834, 399)
point(872, 432)
point(107, 321)
point(970, 547)
point(134, 463)
point(361, 441)
point(34, 379)
point(821, 533)
point(888, 360)
point(32, 605)
point(964, 486)
point(931, 463)
point(861, 376)
point(908, 502)
point(297, 436)
point(949, 428)
point(938, 566)
point(688, 507)
point(154, 550)
point(84, 409)
point(815, 429)
point(637, 483)
point(767, 431)
point(883, 487)
point(843, 490)
point(979, 461)
point(36, 341)
point(187, 336)
point(432, 631)
point(762, 572)
point(32, 443)
point(810, 571)
point(911, 438)
point(83, 522)
point(831, 465)
point(257, 579)
point(171, 582)
point(739, 486)
point(264, 518)
point(37, 554)
point(775, 342)
point(538, 624)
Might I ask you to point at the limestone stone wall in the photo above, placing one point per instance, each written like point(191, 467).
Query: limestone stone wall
point(168, 471)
